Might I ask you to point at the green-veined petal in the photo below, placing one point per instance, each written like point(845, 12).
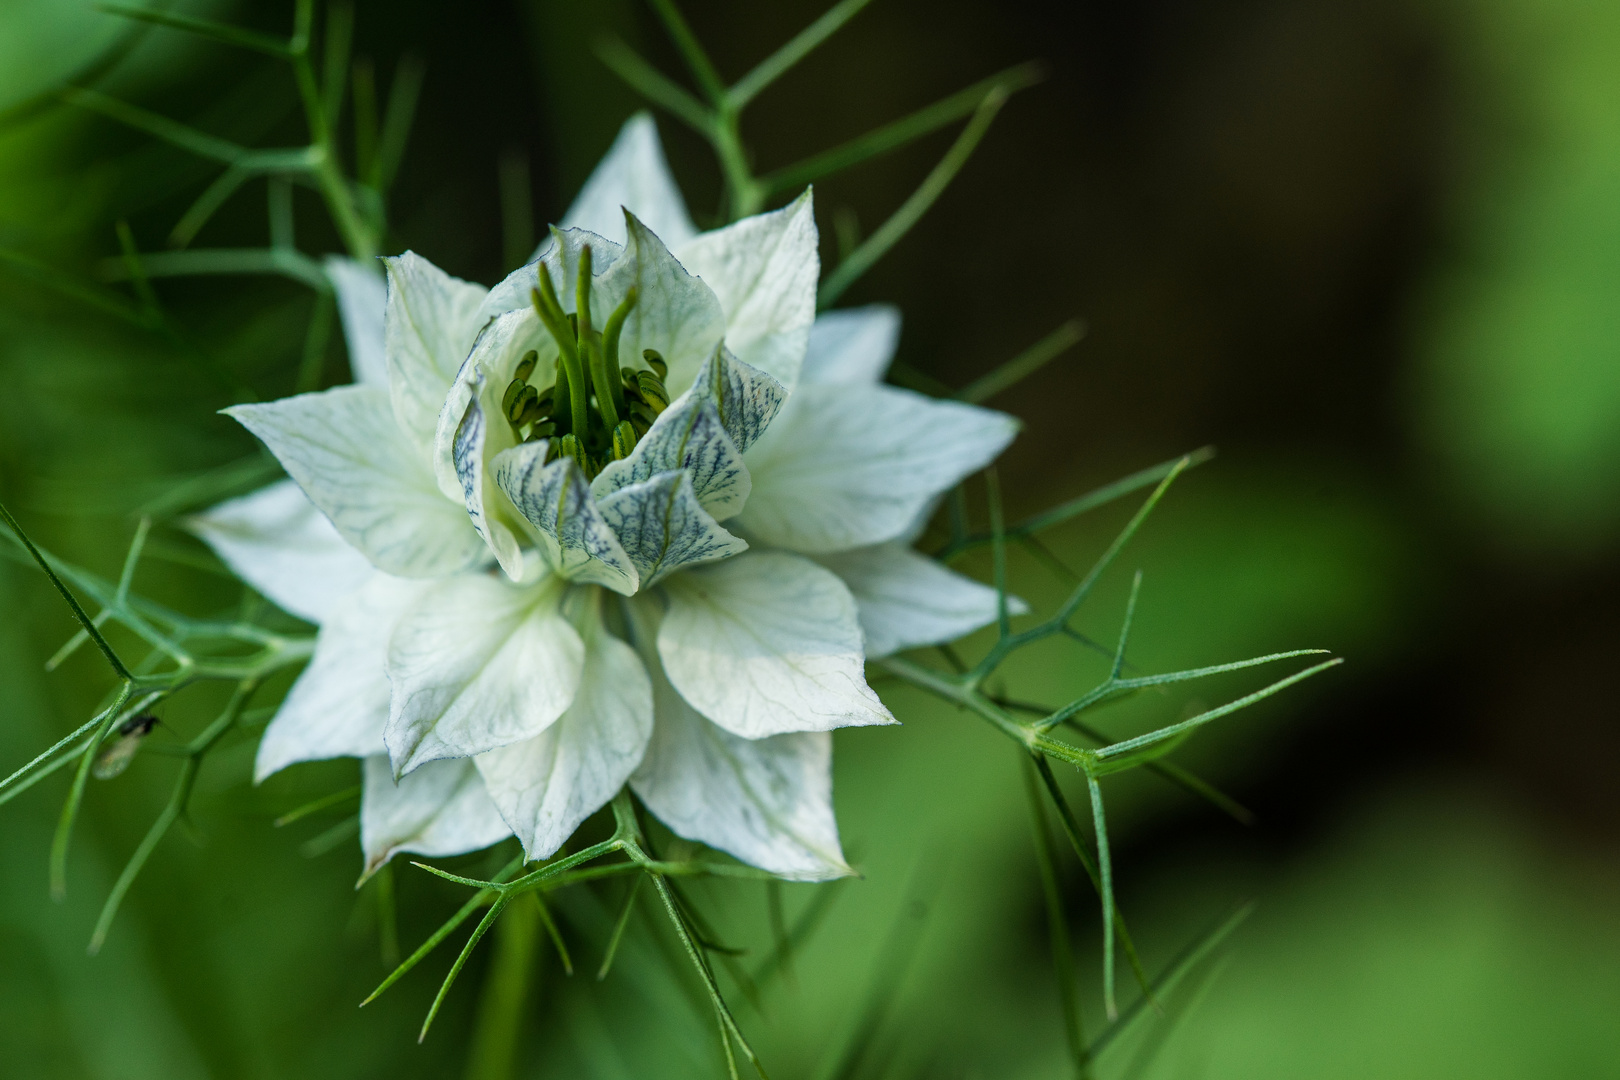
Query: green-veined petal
point(349, 455)
point(430, 323)
point(849, 466)
point(767, 643)
point(441, 809)
point(547, 785)
point(662, 527)
point(477, 664)
point(764, 270)
point(907, 600)
point(556, 500)
point(276, 541)
point(339, 705)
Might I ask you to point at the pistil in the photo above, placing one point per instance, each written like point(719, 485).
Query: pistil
point(592, 416)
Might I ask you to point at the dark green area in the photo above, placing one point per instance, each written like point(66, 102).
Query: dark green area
point(1369, 251)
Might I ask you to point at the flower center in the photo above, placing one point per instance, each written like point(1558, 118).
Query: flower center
point(595, 411)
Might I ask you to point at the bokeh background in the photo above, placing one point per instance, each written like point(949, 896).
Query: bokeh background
point(1368, 250)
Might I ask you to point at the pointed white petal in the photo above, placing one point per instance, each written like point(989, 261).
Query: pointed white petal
point(662, 527)
point(704, 431)
point(633, 175)
point(353, 461)
point(686, 436)
point(339, 705)
point(483, 500)
point(849, 466)
point(853, 345)
point(767, 643)
point(766, 801)
point(907, 599)
point(429, 325)
point(764, 271)
point(547, 785)
point(485, 374)
point(362, 294)
point(478, 664)
point(575, 540)
point(441, 809)
point(560, 252)
point(276, 541)
point(675, 313)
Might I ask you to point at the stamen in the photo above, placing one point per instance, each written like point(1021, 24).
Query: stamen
point(624, 439)
point(652, 391)
point(550, 312)
point(655, 360)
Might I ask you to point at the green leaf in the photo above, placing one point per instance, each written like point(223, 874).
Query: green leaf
point(170, 131)
point(917, 204)
point(1057, 927)
point(315, 806)
point(403, 94)
point(802, 44)
point(696, 59)
point(444, 931)
point(208, 261)
point(897, 134)
point(1167, 981)
point(1132, 752)
point(221, 32)
point(1080, 504)
point(1024, 364)
point(656, 87)
point(619, 926)
point(65, 284)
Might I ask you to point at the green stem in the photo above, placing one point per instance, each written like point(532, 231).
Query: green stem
point(501, 1009)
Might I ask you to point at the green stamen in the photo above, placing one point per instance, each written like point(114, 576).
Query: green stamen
point(652, 391)
point(624, 439)
point(551, 314)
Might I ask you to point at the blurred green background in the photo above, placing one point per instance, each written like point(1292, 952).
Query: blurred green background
point(1370, 250)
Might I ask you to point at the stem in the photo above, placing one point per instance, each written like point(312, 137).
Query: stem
point(501, 1009)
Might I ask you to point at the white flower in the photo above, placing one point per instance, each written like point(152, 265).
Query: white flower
point(624, 596)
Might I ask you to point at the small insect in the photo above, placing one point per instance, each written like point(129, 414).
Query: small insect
point(118, 753)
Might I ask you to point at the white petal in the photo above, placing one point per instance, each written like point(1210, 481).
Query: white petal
point(633, 175)
point(430, 324)
point(339, 705)
point(353, 461)
point(662, 527)
point(575, 540)
point(276, 541)
point(687, 436)
point(849, 466)
point(853, 345)
point(560, 252)
point(479, 664)
point(362, 295)
point(764, 271)
point(907, 599)
point(675, 313)
point(547, 785)
point(441, 809)
point(767, 643)
point(483, 500)
point(485, 374)
point(704, 431)
point(766, 801)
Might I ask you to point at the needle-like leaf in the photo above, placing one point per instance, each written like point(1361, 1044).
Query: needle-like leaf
point(1025, 364)
point(801, 45)
point(897, 134)
point(221, 32)
point(917, 204)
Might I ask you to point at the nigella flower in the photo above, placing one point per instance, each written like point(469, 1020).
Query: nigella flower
point(690, 586)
